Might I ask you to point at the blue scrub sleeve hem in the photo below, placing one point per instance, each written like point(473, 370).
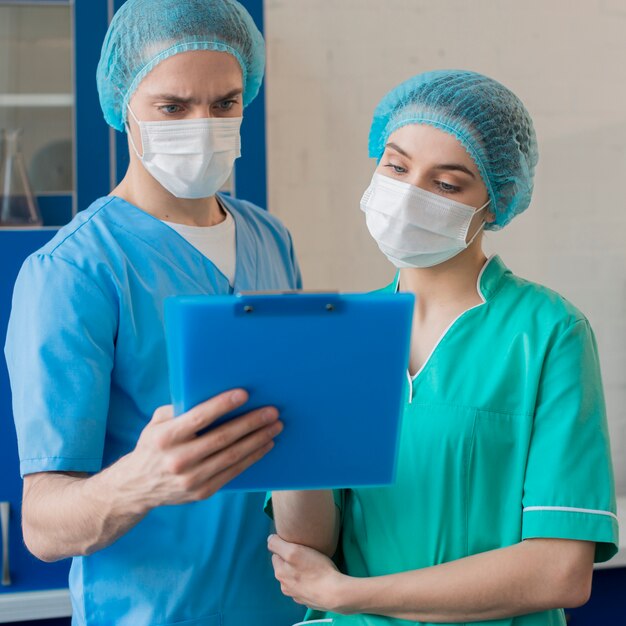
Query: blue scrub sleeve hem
point(579, 525)
point(59, 464)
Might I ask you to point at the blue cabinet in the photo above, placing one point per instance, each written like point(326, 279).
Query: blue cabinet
point(52, 94)
point(607, 605)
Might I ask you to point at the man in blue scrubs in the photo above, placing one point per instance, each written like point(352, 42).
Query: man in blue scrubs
point(111, 478)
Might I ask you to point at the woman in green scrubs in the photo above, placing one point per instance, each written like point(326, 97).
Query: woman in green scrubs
point(504, 495)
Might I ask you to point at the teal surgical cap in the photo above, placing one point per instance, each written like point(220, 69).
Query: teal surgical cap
point(145, 32)
point(489, 121)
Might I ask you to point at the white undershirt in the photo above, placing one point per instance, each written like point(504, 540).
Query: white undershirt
point(217, 243)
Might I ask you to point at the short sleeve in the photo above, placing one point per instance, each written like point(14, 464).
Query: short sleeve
point(60, 351)
point(569, 488)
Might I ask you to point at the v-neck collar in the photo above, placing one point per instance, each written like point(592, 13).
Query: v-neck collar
point(169, 244)
point(487, 284)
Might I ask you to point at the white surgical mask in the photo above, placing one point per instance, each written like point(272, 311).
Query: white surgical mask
point(190, 158)
point(414, 227)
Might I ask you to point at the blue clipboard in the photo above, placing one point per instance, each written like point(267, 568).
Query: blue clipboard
point(334, 366)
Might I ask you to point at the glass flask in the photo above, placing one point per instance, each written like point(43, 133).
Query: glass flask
point(18, 205)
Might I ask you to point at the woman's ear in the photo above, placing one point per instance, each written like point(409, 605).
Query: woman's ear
point(490, 217)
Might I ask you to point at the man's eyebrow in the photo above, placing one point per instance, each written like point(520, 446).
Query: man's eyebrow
point(231, 94)
point(170, 97)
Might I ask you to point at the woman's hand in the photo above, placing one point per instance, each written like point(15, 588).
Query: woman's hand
point(531, 576)
point(307, 576)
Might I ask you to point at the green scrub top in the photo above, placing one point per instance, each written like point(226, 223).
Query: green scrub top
point(504, 438)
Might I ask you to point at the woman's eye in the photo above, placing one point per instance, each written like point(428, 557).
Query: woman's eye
point(398, 169)
point(171, 109)
point(447, 187)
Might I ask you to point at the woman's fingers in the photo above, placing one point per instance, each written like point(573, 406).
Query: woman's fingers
point(283, 572)
point(285, 550)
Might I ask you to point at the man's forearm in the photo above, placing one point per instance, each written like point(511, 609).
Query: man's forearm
point(309, 518)
point(67, 515)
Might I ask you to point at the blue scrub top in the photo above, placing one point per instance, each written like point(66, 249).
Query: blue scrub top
point(87, 361)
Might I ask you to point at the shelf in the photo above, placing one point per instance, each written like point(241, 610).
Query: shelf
point(36, 100)
point(28, 229)
point(32, 605)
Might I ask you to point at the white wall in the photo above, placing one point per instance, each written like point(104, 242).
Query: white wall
point(330, 61)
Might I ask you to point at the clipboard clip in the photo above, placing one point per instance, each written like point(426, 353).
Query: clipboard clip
point(287, 303)
point(288, 292)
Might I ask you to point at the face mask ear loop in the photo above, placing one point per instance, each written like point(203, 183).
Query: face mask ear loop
point(481, 227)
point(130, 135)
point(471, 241)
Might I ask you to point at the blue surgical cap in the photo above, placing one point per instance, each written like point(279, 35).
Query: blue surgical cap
point(143, 33)
point(489, 121)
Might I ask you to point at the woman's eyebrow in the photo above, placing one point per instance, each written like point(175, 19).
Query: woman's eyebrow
point(448, 167)
point(397, 148)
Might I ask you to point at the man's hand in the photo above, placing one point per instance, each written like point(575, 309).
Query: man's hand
point(171, 464)
point(67, 514)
